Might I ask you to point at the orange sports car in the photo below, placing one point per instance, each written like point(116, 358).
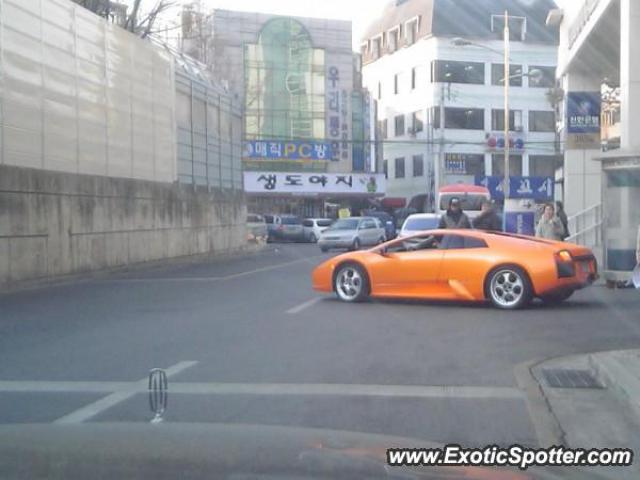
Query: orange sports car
point(470, 265)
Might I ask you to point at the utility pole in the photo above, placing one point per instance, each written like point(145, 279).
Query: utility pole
point(439, 166)
point(507, 80)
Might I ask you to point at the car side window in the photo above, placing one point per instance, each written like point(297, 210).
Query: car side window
point(473, 242)
point(453, 242)
point(368, 224)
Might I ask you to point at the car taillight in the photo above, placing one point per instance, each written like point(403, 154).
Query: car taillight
point(565, 265)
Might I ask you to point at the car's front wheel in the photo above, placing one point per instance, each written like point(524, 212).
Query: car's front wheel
point(356, 244)
point(312, 238)
point(351, 283)
point(509, 288)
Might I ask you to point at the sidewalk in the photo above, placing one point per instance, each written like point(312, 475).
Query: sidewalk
point(595, 400)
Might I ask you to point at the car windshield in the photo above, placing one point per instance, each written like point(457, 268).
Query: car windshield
point(345, 224)
point(417, 224)
point(469, 202)
point(226, 218)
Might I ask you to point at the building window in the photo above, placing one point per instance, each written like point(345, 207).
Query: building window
point(542, 121)
point(417, 121)
point(464, 163)
point(517, 27)
point(293, 107)
point(411, 31)
point(396, 83)
point(399, 164)
point(449, 71)
point(399, 125)
point(460, 118)
point(379, 90)
point(385, 168)
point(393, 39)
point(515, 74)
point(418, 165)
point(544, 165)
point(384, 128)
point(414, 76)
point(547, 79)
point(497, 165)
point(363, 49)
point(377, 47)
point(515, 120)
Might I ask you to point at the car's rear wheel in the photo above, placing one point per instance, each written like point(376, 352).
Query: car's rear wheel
point(356, 244)
point(556, 298)
point(351, 283)
point(509, 288)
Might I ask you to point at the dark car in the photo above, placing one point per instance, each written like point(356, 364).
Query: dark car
point(284, 227)
point(387, 221)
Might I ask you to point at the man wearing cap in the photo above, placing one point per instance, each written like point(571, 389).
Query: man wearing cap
point(454, 216)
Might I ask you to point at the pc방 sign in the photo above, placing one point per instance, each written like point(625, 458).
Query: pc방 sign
point(295, 150)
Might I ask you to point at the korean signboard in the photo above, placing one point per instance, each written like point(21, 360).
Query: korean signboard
point(314, 183)
point(299, 150)
point(535, 188)
point(583, 112)
point(583, 120)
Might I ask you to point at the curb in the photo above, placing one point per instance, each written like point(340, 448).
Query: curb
point(613, 370)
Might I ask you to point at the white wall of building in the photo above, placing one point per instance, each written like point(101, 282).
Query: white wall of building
point(427, 95)
point(80, 95)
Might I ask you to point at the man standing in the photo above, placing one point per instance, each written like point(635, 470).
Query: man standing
point(454, 216)
point(562, 216)
point(488, 219)
point(549, 225)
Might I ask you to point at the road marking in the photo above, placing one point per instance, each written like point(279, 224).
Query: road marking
point(208, 279)
point(123, 390)
point(105, 403)
point(304, 305)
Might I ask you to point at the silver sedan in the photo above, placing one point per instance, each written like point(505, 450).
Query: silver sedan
point(352, 233)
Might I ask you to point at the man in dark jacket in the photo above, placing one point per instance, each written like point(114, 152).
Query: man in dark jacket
point(454, 216)
point(488, 219)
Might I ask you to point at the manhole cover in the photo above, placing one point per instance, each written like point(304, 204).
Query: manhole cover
point(569, 378)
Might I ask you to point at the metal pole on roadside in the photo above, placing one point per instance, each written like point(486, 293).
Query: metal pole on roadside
point(507, 75)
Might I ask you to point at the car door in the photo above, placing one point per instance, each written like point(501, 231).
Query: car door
point(414, 273)
point(368, 232)
point(467, 260)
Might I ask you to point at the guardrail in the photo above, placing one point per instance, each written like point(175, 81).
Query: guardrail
point(587, 226)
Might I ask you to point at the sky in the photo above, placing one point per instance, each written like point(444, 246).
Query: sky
point(360, 12)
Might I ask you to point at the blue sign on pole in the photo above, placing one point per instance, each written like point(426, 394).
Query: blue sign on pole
point(522, 223)
point(536, 188)
point(583, 112)
point(295, 150)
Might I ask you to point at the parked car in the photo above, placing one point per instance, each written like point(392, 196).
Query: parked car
point(313, 227)
point(387, 221)
point(256, 227)
point(419, 222)
point(352, 233)
point(284, 227)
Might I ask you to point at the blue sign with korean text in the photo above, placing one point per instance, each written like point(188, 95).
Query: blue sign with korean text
point(296, 150)
point(522, 223)
point(536, 188)
point(583, 112)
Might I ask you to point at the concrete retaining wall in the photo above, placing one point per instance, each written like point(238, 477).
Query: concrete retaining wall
point(54, 224)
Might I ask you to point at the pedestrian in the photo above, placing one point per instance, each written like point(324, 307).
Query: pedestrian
point(561, 214)
point(550, 225)
point(454, 217)
point(488, 218)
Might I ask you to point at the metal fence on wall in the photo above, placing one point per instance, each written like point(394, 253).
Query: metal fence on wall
point(209, 129)
point(81, 95)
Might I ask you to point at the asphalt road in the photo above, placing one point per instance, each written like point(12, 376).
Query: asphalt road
point(248, 341)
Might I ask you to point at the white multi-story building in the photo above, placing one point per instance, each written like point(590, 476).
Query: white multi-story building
point(424, 54)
